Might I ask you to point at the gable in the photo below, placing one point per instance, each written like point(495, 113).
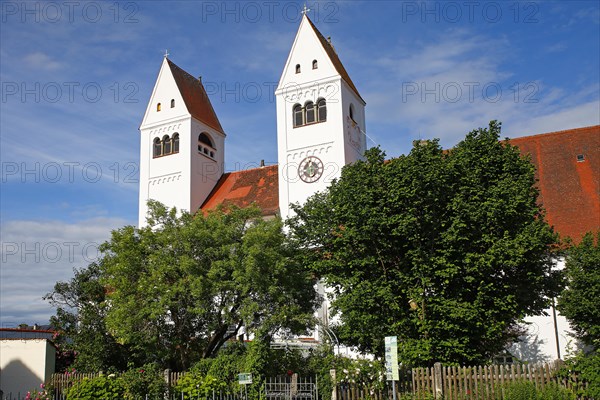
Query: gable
point(165, 89)
point(309, 44)
point(187, 94)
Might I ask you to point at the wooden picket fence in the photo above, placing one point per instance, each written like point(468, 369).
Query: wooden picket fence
point(62, 382)
point(460, 383)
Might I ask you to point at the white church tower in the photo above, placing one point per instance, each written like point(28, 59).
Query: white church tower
point(181, 145)
point(320, 118)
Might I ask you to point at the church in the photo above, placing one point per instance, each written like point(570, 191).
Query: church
point(321, 127)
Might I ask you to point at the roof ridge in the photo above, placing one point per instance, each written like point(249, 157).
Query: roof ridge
point(561, 132)
point(335, 59)
point(251, 169)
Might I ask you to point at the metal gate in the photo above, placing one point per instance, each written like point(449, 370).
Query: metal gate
point(291, 388)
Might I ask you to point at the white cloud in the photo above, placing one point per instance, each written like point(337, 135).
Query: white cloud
point(576, 116)
point(37, 254)
point(41, 61)
point(557, 47)
point(447, 87)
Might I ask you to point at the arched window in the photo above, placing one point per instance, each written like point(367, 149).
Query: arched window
point(321, 110)
point(172, 103)
point(297, 115)
point(205, 145)
point(205, 139)
point(175, 142)
point(315, 64)
point(351, 111)
point(166, 141)
point(297, 68)
point(157, 148)
point(310, 112)
point(158, 107)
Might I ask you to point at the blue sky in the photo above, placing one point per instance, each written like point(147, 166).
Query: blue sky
point(76, 78)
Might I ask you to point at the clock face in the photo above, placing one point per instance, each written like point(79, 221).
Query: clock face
point(310, 169)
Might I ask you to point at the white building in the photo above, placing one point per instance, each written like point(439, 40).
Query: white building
point(25, 363)
point(321, 126)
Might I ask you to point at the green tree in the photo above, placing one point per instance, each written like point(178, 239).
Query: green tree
point(579, 301)
point(448, 250)
point(181, 287)
point(80, 323)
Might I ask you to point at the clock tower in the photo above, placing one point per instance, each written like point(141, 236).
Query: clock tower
point(320, 118)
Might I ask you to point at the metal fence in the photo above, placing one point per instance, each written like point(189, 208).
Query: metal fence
point(291, 388)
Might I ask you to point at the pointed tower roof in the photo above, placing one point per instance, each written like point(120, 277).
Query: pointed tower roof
point(335, 60)
point(195, 97)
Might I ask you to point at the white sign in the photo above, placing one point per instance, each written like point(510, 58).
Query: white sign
point(244, 379)
point(391, 358)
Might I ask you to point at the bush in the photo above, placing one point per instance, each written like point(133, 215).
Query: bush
point(582, 370)
point(525, 390)
point(369, 373)
point(147, 380)
point(218, 374)
point(192, 386)
point(36, 394)
point(102, 387)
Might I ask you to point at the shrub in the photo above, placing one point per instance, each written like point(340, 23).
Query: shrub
point(193, 385)
point(102, 387)
point(218, 374)
point(36, 394)
point(147, 380)
point(368, 373)
point(583, 374)
point(525, 390)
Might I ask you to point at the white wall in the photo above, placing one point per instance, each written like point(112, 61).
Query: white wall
point(539, 343)
point(24, 364)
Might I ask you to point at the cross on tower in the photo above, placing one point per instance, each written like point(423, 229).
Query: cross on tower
point(305, 9)
point(166, 53)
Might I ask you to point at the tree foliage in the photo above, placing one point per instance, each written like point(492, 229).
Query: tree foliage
point(448, 250)
point(178, 289)
point(80, 323)
point(579, 302)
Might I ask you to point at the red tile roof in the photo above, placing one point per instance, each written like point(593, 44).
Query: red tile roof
point(337, 63)
point(569, 189)
point(259, 186)
point(195, 97)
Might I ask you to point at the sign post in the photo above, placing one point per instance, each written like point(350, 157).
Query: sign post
point(245, 379)
point(391, 361)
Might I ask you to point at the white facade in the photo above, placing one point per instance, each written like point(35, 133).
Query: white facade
point(186, 178)
point(547, 336)
point(311, 75)
point(25, 364)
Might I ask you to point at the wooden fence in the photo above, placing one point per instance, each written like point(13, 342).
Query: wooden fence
point(459, 383)
point(482, 382)
point(62, 382)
